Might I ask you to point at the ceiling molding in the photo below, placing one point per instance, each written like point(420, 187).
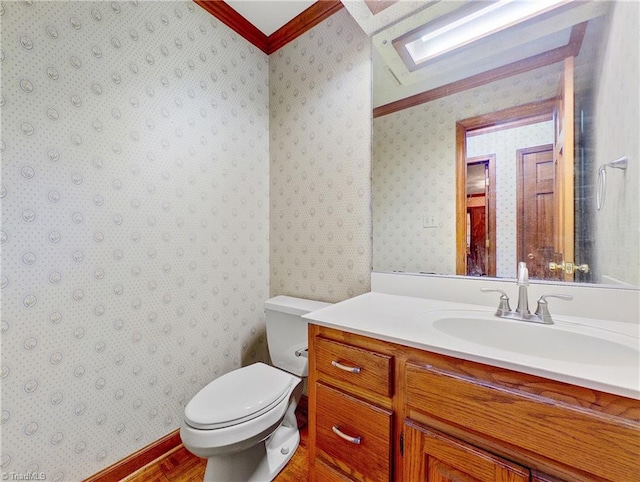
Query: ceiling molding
point(514, 68)
point(236, 22)
point(577, 37)
point(308, 19)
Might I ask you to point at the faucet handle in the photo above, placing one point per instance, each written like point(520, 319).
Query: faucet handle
point(543, 306)
point(503, 306)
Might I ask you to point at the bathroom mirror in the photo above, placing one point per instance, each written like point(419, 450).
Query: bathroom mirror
point(490, 143)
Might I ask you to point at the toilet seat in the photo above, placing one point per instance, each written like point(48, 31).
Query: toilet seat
point(237, 397)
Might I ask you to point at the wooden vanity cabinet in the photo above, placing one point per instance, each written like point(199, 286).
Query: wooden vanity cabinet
point(422, 416)
point(350, 408)
point(435, 457)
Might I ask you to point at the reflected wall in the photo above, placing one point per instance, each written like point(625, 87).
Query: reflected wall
point(414, 152)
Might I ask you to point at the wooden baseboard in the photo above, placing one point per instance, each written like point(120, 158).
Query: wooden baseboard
point(155, 450)
point(139, 459)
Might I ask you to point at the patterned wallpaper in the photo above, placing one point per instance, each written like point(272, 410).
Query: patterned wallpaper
point(135, 212)
point(320, 173)
point(504, 144)
point(135, 226)
point(414, 171)
point(617, 113)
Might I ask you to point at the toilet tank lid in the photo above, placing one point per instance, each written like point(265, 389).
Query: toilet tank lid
point(293, 306)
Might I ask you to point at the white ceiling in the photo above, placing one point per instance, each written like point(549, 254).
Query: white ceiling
point(267, 15)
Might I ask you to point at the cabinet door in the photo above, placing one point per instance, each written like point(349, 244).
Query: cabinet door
point(431, 456)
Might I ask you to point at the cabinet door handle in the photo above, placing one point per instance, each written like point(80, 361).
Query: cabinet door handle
point(344, 436)
point(346, 368)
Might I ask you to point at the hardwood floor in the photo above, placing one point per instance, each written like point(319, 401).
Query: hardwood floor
point(180, 465)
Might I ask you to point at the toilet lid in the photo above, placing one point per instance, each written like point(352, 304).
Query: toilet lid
point(238, 396)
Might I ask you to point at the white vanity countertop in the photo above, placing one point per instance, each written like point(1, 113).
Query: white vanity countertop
point(408, 321)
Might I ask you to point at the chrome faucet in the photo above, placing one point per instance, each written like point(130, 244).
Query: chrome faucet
point(523, 285)
point(522, 312)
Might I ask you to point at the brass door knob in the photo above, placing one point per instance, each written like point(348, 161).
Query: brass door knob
point(569, 268)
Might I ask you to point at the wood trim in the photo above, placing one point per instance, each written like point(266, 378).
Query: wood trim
point(499, 73)
point(160, 448)
point(236, 22)
point(535, 119)
point(535, 110)
point(510, 115)
point(308, 19)
point(565, 163)
point(461, 199)
point(139, 459)
point(576, 38)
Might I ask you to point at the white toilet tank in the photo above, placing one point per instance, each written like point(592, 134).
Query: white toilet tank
point(287, 331)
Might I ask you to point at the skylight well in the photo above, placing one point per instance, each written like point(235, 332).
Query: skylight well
point(484, 19)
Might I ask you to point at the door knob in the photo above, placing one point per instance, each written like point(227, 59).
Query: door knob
point(569, 268)
point(530, 256)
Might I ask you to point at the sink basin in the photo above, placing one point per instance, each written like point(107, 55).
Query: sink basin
point(556, 342)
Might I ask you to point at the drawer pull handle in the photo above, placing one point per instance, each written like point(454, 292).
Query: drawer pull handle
point(344, 436)
point(345, 367)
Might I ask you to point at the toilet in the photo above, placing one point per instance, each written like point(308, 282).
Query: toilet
point(244, 422)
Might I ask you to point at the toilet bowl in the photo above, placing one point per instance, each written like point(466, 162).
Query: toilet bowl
point(244, 422)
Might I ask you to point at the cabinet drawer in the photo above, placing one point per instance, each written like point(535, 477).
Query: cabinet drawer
point(600, 444)
point(355, 366)
point(338, 413)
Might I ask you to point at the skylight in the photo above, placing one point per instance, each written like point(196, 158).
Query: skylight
point(483, 20)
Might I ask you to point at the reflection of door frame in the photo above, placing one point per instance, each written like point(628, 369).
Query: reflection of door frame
point(533, 112)
point(490, 208)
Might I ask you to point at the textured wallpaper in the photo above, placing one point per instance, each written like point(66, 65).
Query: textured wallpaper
point(135, 224)
point(414, 171)
point(617, 113)
point(504, 144)
point(320, 173)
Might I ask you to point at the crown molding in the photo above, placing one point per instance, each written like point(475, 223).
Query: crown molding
point(308, 19)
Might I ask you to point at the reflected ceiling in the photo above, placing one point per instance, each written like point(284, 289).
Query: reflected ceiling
point(535, 38)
